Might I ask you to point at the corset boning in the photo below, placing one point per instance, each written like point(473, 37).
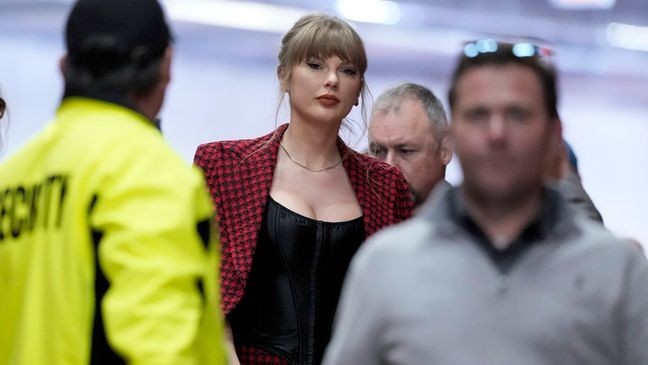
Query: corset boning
point(294, 284)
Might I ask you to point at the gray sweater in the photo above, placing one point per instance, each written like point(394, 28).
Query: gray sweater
point(423, 292)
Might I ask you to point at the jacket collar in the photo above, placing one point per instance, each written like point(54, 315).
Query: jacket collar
point(268, 147)
point(448, 207)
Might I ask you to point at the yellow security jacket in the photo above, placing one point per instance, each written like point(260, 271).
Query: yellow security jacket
point(105, 255)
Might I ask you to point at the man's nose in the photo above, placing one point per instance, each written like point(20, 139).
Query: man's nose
point(390, 158)
point(497, 128)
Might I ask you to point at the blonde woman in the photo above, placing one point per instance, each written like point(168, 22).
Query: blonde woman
point(294, 205)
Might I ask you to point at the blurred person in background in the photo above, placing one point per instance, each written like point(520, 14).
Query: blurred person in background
point(106, 255)
point(562, 171)
point(3, 109)
point(294, 205)
point(408, 129)
point(500, 270)
point(3, 121)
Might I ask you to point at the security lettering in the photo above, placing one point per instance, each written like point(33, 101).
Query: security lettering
point(26, 208)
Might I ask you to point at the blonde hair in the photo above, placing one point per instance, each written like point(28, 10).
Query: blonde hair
point(322, 36)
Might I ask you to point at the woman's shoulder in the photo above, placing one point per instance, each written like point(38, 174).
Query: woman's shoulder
point(382, 190)
point(380, 176)
point(239, 147)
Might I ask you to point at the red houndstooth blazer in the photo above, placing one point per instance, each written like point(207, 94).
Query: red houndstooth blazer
point(239, 175)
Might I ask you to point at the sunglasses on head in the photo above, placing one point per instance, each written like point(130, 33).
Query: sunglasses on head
point(521, 49)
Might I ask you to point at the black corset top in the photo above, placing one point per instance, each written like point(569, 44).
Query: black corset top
point(294, 284)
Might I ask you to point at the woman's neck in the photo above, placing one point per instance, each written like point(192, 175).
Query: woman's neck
point(312, 145)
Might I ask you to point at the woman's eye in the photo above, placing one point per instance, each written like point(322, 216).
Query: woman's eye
point(350, 71)
point(313, 65)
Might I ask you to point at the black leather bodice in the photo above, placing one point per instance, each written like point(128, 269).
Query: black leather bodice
point(295, 283)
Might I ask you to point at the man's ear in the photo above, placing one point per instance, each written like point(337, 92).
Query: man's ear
point(165, 66)
point(555, 159)
point(446, 150)
point(63, 64)
point(556, 130)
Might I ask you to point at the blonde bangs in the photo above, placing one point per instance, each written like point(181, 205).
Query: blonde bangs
point(323, 36)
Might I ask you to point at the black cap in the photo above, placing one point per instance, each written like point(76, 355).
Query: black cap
point(108, 34)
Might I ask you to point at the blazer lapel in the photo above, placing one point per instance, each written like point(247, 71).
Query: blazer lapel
point(360, 177)
point(251, 176)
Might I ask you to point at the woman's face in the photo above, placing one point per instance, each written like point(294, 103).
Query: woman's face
point(323, 90)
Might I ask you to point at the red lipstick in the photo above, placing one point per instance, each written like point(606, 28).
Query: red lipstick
point(328, 99)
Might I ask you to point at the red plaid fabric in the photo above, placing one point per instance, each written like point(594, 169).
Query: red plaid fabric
point(239, 175)
point(253, 356)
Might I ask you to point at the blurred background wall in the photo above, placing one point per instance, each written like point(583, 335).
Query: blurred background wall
point(224, 84)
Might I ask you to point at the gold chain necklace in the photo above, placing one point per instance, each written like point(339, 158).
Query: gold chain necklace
point(306, 167)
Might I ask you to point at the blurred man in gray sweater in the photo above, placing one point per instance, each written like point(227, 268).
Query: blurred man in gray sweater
point(500, 270)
